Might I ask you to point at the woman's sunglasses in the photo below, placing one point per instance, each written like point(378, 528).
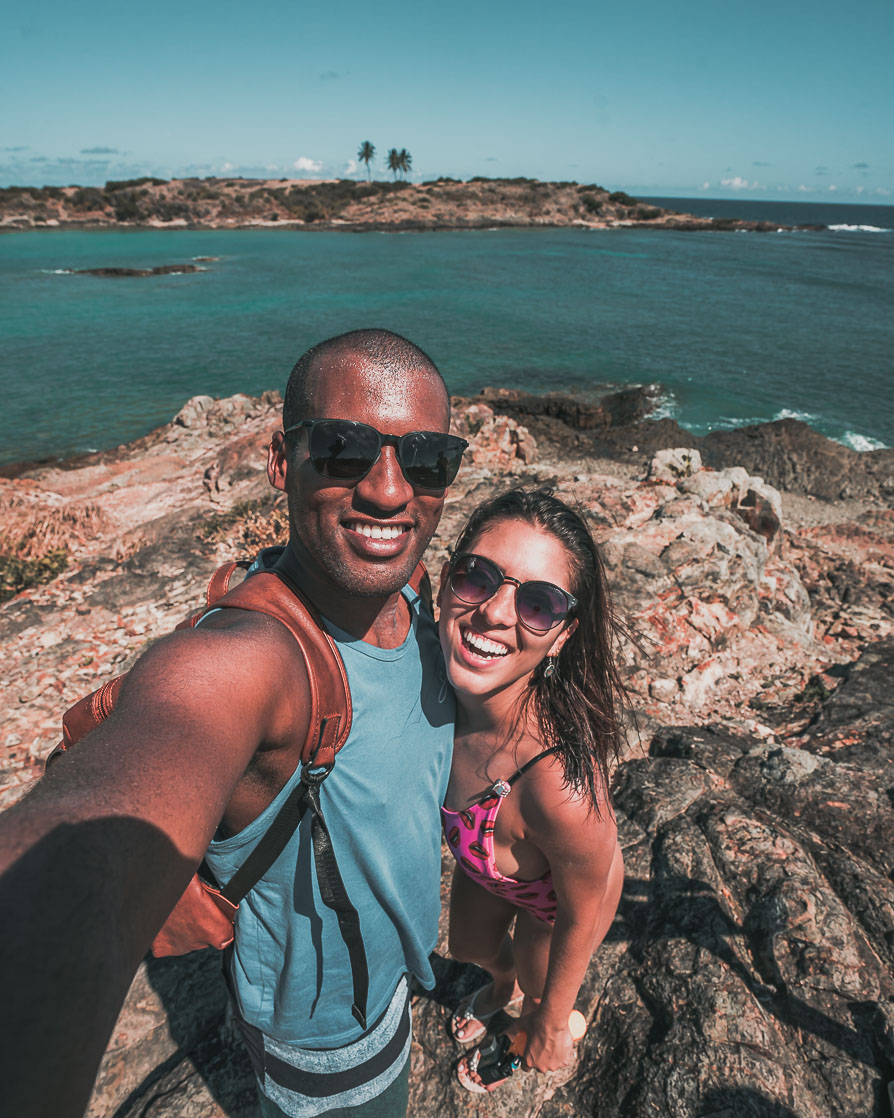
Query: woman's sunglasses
point(343, 450)
point(539, 606)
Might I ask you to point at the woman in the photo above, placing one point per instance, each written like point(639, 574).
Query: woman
point(527, 634)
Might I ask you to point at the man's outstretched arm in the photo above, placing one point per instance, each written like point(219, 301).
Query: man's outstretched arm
point(95, 857)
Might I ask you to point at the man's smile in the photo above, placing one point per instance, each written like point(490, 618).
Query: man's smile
point(378, 539)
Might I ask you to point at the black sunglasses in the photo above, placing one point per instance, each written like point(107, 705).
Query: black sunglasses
point(346, 451)
point(539, 606)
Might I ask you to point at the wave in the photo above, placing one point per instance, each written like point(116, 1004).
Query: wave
point(804, 416)
point(857, 229)
point(665, 406)
point(861, 442)
point(56, 271)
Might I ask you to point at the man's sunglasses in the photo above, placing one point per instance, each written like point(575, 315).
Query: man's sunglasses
point(346, 451)
point(539, 606)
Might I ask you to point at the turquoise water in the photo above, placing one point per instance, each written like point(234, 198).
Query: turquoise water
point(737, 327)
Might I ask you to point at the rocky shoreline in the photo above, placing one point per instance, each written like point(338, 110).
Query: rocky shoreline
point(346, 205)
point(750, 970)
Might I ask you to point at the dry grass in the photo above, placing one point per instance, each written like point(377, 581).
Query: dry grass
point(38, 537)
point(250, 525)
point(31, 526)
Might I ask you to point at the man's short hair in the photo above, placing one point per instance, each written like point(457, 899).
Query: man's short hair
point(395, 354)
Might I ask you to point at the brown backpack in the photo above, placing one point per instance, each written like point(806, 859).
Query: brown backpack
point(205, 913)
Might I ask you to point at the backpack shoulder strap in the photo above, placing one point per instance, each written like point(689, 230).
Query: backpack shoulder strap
point(329, 722)
point(421, 584)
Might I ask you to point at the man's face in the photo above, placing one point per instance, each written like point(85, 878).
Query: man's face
point(365, 536)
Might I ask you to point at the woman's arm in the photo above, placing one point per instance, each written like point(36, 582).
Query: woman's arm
point(587, 872)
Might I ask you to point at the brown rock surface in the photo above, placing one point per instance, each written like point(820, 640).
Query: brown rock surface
point(750, 968)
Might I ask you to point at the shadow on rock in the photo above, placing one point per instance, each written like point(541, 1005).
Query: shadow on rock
point(197, 1064)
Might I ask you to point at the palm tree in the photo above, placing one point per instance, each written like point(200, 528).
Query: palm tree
point(366, 154)
point(405, 160)
point(394, 164)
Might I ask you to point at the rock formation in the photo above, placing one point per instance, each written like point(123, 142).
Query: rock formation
point(750, 970)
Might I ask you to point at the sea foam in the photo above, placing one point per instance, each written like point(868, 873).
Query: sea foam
point(861, 442)
point(857, 229)
point(804, 416)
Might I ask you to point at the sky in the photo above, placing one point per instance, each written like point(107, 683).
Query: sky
point(767, 99)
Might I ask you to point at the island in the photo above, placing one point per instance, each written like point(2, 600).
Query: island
point(345, 204)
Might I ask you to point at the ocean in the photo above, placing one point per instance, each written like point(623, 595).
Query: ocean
point(737, 328)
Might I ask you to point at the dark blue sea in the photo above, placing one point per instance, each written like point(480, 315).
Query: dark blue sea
point(736, 327)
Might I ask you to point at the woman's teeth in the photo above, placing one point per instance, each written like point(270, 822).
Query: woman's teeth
point(482, 645)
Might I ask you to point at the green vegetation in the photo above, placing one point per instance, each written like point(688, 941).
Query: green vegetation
point(591, 203)
point(126, 184)
point(621, 198)
point(399, 162)
point(18, 574)
point(127, 206)
point(366, 154)
point(88, 198)
point(647, 213)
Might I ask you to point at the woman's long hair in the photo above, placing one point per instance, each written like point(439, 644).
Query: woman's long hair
point(579, 705)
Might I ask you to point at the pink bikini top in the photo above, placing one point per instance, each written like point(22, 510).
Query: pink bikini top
point(470, 836)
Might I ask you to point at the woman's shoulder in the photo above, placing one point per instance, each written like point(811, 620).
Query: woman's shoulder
point(548, 797)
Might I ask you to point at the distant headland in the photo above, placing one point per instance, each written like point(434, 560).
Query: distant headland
point(345, 204)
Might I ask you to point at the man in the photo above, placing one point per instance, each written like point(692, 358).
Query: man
point(202, 748)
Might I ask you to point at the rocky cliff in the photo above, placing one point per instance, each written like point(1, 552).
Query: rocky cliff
point(750, 970)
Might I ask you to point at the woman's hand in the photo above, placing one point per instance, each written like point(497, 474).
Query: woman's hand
point(549, 1046)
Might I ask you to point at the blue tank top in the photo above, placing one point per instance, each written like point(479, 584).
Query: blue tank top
point(289, 968)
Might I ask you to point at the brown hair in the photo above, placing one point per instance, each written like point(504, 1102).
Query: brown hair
point(578, 706)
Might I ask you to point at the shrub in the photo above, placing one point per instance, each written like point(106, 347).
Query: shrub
point(591, 203)
point(170, 211)
point(88, 198)
point(127, 207)
point(621, 198)
point(647, 213)
point(126, 184)
point(17, 574)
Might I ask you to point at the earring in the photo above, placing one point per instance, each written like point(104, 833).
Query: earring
point(550, 666)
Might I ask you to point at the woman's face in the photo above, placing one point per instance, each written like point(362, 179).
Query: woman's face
point(486, 648)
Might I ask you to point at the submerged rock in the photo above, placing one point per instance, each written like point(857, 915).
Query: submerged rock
point(124, 273)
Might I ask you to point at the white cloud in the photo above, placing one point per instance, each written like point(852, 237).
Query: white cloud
point(738, 183)
point(833, 188)
point(351, 167)
point(882, 191)
point(807, 189)
point(859, 189)
point(305, 163)
point(228, 166)
point(706, 186)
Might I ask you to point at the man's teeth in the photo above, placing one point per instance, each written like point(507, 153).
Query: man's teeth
point(379, 531)
point(482, 644)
